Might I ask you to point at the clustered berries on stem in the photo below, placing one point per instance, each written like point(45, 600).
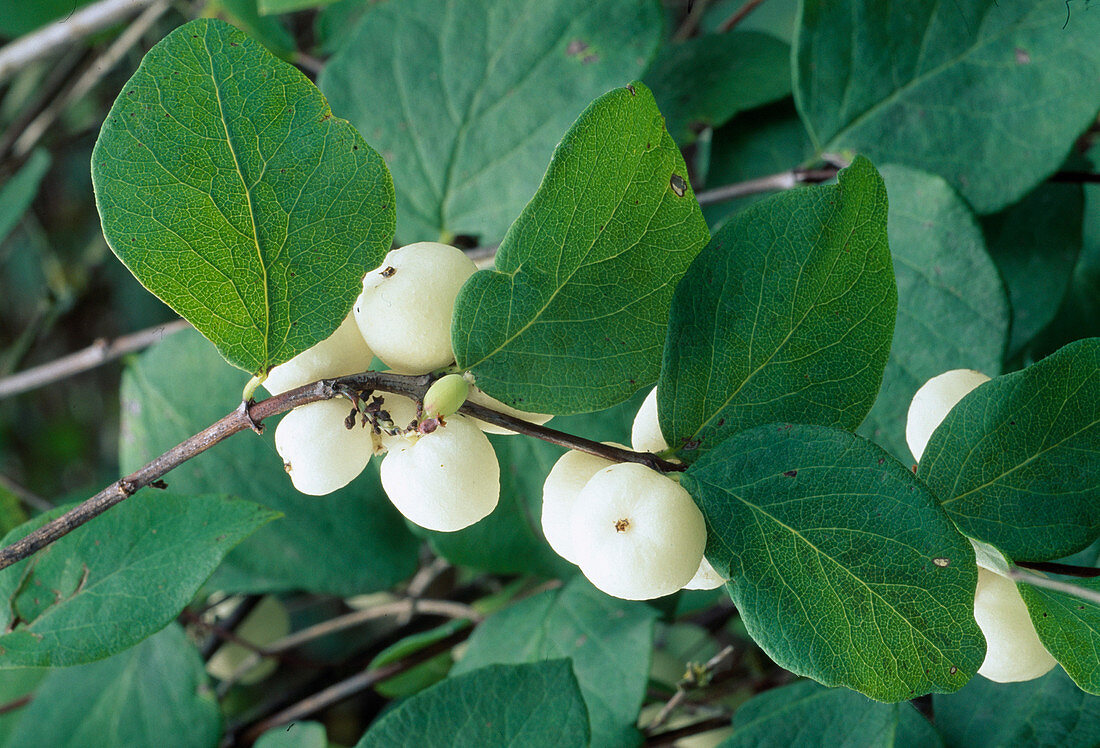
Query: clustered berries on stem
point(1013, 649)
point(634, 532)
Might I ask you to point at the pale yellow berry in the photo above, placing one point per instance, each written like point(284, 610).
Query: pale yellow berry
point(445, 480)
point(645, 435)
point(1013, 650)
point(933, 401)
point(319, 452)
point(636, 533)
point(479, 397)
point(706, 578)
point(404, 312)
point(559, 494)
point(344, 352)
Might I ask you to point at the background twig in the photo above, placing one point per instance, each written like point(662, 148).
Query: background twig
point(739, 15)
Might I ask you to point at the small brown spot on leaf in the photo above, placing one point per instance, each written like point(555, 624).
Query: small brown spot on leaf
point(941, 561)
point(1022, 57)
point(589, 59)
point(576, 47)
point(630, 87)
point(790, 473)
point(679, 186)
point(953, 670)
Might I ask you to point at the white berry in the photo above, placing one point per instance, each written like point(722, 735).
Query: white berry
point(637, 534)
point(645, 434)
point(479, 397)
point(559, 495)
point(404, 312)
point(1013, 650)
point(319, 452)
point(933, 401)
point(343, 352)
point(445, 480)
point(706, 578)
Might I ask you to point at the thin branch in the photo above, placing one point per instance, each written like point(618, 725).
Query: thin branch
point(445, 608)
point(1084, 593)
point(695, 13)
point(98, 353)
point(353, 685)
point(15, 704)
point(699, 679)
point(26, 496)
point(784, 180)
point(1086, 572)
point(104, 64)
point(739, 15)
point(230, 624)
point(49, 39)
point(252, 416)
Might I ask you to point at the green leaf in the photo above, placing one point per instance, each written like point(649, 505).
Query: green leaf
point(990, 96)
point(1035, 244)
point(1047, 711)
point(17, 17)
point(755, 144)
point(228, 189)
point(348, 542)
point(294, 735)
point(153, 694)
point(812, 716)
point(609, 642)
point(17, 192)
point(841, 564)
point(246, 15)
point(418, 677)
point(466, 99)
point(786, 315)
point(1069, 628)
point(1015, 463)
point(704, 81)
point(952, 309)
point(270, 7)
point(74, 601)
point(573, 317)
point(496, 706)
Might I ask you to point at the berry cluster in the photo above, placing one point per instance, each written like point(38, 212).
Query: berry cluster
point(439, 470)
point(634, 532)
point(1013, 650)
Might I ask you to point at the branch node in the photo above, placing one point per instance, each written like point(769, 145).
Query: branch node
point(245, 410)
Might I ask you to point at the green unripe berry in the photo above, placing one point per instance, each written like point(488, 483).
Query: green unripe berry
point(446, 396)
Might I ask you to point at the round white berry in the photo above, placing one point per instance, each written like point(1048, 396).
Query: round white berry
point(637, 534)
point(645, 434)
point(706, 578)
point(404, 312)
point(266, 623)
point(319, 452)
point(559, 494)
point(933, 401)
point(445, 480)
point(343, 352)
point(477, 396)
point(1013, 650)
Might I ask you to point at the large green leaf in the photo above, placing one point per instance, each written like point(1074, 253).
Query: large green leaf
point(466, 99)
point(952, 310)
point(346, 543)
point(494, 707)
point(990, 96)
point(230, 191)
point(117, 579)
point(609, 642)
point(574, 315)
point(1017, 462)
point(704, 81)
point(1069, 628)
point(153, 694)
point(786, 315)
point(17, 18)
point(810, 715)
point(17, 192)
point(1048, 711)
point(1035, 244)
point(841, 564)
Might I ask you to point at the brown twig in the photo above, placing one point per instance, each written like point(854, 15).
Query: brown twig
point(14, 704)
point(784, 180)
point(739, 15)
point(240, 612)
point(351, 686)
point(695, 13)
point(252, 416)
point(49, 39)
point(99, 352)
point(699, 679)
